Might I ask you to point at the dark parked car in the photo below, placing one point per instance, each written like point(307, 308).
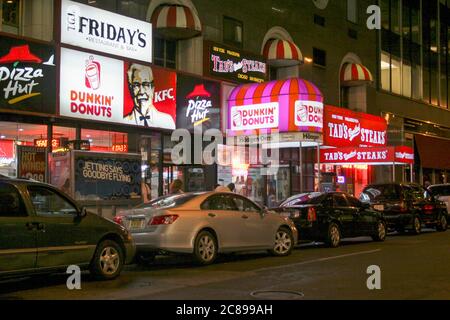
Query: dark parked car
point(330, 217)
point(42, 230)
point(406, 206)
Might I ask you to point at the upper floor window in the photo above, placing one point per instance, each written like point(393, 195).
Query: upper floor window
point(352, 11)
point(10, 16)
point(233, 32)
point(165, 53)
point(319, 57)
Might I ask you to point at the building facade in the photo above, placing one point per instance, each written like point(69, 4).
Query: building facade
point(399, 72)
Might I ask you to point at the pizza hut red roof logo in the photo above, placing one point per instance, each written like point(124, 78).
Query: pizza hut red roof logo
point(20, 53)
point(199, 91)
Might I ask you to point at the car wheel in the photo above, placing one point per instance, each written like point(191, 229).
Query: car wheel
point(380, 236)
point(334, 235)
point(284, 243)
point(442, 224)
point(417, 226)
point(205, 248)
point(108, 260)
point(145, 259)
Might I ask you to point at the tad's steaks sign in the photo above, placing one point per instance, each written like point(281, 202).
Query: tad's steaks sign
point(346, 128)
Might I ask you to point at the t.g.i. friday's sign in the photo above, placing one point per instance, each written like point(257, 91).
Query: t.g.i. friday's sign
point(91, 28)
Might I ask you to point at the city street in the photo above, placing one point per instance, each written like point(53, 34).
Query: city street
point(412, 267)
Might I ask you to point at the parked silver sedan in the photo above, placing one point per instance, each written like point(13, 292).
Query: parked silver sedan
point(206, 224)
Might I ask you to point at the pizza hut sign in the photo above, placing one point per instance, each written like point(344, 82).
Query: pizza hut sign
point(345, 128)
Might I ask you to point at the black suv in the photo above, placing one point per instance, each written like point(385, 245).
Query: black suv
point(42, 230)
point(406, 206)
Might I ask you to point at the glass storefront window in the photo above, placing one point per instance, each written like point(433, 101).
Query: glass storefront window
point(106, 141)
point(14, 134)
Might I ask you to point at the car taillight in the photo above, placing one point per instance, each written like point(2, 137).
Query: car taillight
point(118, 220)
point(428, 208)
point(163, 220)
point(312, 215)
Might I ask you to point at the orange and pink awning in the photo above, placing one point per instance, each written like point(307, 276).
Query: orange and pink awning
point(292, 105)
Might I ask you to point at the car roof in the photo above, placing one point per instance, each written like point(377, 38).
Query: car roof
point(23, 181)
point(440, 185)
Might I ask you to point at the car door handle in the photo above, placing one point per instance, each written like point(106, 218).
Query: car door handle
point(212, 215)
point(30, 226)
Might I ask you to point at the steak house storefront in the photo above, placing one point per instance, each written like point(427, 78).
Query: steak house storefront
point(283, 117)
point(356, 152)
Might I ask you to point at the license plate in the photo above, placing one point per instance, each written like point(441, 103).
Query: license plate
point(137, 224)
point(379, 207)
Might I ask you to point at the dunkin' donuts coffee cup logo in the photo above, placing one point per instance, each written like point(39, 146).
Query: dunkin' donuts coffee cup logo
point(309, 114)
point(92, 77)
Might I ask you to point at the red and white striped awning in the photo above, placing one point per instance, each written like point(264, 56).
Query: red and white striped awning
point(282, 53)
point(354, 74)
point(176, 22)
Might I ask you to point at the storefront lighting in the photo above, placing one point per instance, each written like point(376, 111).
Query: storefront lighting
point(21, 130)
point(2, 137)
point(308, 60)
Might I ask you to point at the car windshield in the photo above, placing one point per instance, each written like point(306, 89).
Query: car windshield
point(303, 199)
point(381, 192)
point(171, 201)
point(440, 190)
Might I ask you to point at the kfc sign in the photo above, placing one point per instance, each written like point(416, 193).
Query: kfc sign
point(95, 29)
point(345, 128)
point(94, 87)
point(309, 114)
point(258, 116)
point(375, 155)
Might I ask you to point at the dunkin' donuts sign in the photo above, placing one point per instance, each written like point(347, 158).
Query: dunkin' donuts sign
point(258, 116)
point(309, 114)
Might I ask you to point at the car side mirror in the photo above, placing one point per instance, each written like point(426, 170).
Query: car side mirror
point(365, 206)
point(83, 212)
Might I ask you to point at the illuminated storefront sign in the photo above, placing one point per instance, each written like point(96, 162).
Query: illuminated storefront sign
point(27, 76)
point(95, 87)
point(375, 155)
point(198, 103)
point(6, 152)
point(283, 106)
point(258, 116)
point(32, 163)
point(91, 28)
point(231, 64)
point(123, 148)
point(309, 113)
point(345, 128)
